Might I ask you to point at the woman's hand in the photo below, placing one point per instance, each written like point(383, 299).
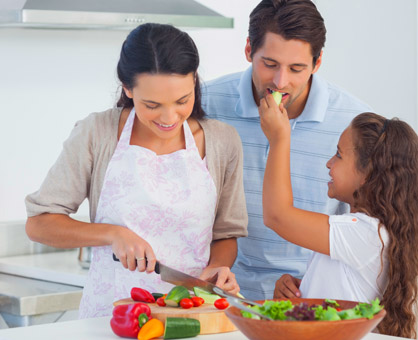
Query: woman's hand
point(132, 250)
point(287, 287)
point(225, 279)
point(273, 119)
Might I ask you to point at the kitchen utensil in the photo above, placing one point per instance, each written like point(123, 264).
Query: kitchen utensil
point(241, 300)
point(237, 303)
point(179, 278)
point(307, 330)
point(212, 320)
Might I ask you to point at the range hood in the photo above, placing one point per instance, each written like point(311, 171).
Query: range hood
point(108, 14)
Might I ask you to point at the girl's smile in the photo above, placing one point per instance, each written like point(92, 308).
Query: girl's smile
point(345, 178)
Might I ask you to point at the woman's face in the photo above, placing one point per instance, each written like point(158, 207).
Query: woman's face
point(163, 102)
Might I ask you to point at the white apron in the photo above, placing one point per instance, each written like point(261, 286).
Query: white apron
point(168, 200)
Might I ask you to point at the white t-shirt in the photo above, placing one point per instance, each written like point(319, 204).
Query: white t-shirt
point(353, 271)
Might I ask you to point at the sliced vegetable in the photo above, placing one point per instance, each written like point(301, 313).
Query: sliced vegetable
point(154, 328)
point(208, 297)
point(175, 295)
point(186, 303)
point(240, 295)
point(277, 96)
point(161, 302)
point(178, 328)
point(221, 303)
point(197, 301)
point(142, 295)
point(125, 321)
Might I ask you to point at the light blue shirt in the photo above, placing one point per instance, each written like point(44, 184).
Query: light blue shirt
point(264, 256)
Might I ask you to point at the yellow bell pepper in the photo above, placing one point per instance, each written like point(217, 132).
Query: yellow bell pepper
point(154, 328)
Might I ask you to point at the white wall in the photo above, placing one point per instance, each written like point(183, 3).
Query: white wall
point(372, 51)
point(51, 78)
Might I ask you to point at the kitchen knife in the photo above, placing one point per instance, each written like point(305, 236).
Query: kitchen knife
point(179, 278)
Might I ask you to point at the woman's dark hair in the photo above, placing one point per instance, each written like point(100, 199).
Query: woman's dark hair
point(387, 153)
point(158, 49)
point(292, 19)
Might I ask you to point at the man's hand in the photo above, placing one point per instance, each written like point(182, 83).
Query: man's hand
point(287, 287)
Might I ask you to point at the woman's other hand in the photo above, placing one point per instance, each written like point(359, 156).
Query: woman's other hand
point(225, 279)
point(287, 287)
point(133, 251)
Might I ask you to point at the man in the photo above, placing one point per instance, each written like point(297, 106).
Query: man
point(284, 48)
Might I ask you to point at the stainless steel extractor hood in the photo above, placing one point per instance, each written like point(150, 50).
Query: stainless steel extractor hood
point(107, 14)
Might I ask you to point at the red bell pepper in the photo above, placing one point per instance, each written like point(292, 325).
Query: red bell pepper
point(142, 295)
point(126, 319)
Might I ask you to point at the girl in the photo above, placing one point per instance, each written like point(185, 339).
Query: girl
point(162, 181)
point(371, 251)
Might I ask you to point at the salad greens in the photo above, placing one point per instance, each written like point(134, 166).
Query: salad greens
point(329, 311)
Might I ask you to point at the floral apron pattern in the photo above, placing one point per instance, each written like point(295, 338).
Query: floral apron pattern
point(168, 200)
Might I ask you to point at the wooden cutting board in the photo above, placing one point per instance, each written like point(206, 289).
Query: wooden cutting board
point(212, 320)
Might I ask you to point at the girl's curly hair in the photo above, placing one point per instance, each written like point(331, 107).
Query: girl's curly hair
point(387, 152)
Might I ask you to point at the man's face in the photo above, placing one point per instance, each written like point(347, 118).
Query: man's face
point(285, 66)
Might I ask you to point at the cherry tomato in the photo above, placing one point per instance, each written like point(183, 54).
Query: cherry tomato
point(338, 309)
point(197, 301)
point(161, 302)
point(186, 303)
point(221, 303)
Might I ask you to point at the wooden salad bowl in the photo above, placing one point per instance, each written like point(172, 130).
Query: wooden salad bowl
point(305, 330)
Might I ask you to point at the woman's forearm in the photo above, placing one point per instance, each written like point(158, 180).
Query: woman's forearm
point(61, 231)
point(223, 252)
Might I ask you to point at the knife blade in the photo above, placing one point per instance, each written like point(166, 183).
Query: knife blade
point(179, 278)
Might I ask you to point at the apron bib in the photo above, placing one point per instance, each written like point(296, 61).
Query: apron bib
point(168, 200)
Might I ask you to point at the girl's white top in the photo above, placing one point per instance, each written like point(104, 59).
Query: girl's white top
point(354, 270)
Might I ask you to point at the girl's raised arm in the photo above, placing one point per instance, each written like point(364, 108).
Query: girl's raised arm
point(304, 228)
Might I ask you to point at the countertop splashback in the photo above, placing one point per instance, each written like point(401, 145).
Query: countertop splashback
point(14, 241)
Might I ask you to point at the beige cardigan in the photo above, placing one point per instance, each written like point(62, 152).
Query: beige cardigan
point(79, 172)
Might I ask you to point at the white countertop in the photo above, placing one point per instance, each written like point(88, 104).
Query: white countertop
point(99, 329)
point(60, 267)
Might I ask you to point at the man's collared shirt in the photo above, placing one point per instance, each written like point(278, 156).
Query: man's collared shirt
point(264, 256)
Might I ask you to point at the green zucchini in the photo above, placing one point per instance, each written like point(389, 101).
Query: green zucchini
point(178, 328)
point(208, 297)
point(175, 295)
point(157, 295)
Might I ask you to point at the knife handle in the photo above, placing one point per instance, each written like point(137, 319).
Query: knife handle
point(157, 264)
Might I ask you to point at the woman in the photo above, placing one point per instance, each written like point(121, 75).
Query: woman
point(163, 182)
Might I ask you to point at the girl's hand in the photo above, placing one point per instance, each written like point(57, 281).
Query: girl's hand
point(287, 287)
point(273, 119)
point(132, 250)
point(225, 278)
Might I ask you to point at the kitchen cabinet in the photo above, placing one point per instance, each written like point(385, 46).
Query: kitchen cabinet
point(40, 288)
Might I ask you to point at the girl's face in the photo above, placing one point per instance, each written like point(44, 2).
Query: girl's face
point(345, 178)
point(163, 102)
